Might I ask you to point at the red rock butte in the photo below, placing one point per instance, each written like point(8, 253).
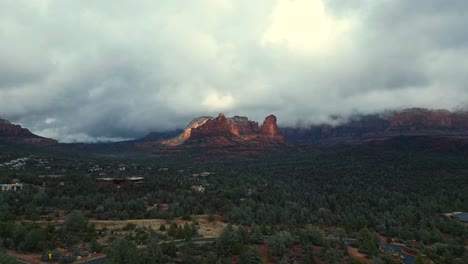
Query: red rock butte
point(228, 131)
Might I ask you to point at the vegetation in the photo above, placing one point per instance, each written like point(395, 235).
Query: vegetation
point(298, 198)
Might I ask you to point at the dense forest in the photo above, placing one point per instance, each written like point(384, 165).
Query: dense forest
point(298, 197)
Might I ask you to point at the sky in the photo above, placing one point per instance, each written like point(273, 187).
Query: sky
point(86, 71)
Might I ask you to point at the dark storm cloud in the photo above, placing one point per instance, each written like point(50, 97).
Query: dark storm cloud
point(95, 70)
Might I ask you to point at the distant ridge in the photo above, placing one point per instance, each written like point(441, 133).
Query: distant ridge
point(408, 122)
point(239, 131)
point(15, 133)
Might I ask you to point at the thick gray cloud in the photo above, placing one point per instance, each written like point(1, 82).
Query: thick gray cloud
point(98, 70)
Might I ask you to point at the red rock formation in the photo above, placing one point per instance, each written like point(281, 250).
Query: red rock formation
point(270, 134)
point(230, 132)
point(410, 122)
point(15, 133)
point(211, 128)
point(242, 126)
point(181, 138)
point(460, 120)
point(269, 126)
point(195, 123)
point(418, 118)
point(10, 130)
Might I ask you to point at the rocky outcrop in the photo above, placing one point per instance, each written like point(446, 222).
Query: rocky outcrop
point(424, 119)
point(194, 124)
point(211, 128)
point(10, 130)
point(269, 126)
point(356, 128)
point(460, 120)
point(181, 137)
point(238, 131)
point(418, 118)
point(15, 133)
point(410, 122)
point(208, 132)
point(240, 126)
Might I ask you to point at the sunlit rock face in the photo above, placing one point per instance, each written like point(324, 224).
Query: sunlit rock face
point(194, 124)
point(214, 127)
point(225, 131)
point(240, 125)
point(269, 126)
point(181, 138)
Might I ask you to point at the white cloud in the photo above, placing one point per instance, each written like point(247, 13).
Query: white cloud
point(305, 26)
point(216, 102)
point(50, 120)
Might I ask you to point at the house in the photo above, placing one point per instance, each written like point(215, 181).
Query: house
point(51, 176)
point(11, 187)
point(463, 217)
point(134, 180)
point(198, 188)
point(202, 175)
point(118, 182)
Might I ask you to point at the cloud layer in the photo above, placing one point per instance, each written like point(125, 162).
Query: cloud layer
point(97, 70)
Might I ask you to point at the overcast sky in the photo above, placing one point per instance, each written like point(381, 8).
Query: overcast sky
point(95, 70)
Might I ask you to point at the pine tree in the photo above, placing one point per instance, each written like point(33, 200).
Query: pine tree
point(251, 255)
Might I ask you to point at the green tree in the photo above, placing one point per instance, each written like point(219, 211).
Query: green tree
point(256, 237)
point(210, 258)
point(75, 222)
point(368, 242)
point(332, 256)
point(154, 253)
point(420, 260)
point(251, 255)
point(7, 259)
point(243, 235)
point(315, 237)
point(341, 233)
point(74, 228)
point(169, 249)
point(35, 240)
point(123, 251)
point(172, 230)
point(309, 255)
point(277, 245)
point(226, 241)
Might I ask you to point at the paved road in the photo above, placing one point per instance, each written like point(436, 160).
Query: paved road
point(408, 259)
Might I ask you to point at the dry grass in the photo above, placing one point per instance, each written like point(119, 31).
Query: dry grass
point(206, 228)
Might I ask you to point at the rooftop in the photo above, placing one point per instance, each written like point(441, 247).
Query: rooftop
point(462, 217)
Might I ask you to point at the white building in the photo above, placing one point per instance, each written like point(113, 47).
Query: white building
point(11, 187)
